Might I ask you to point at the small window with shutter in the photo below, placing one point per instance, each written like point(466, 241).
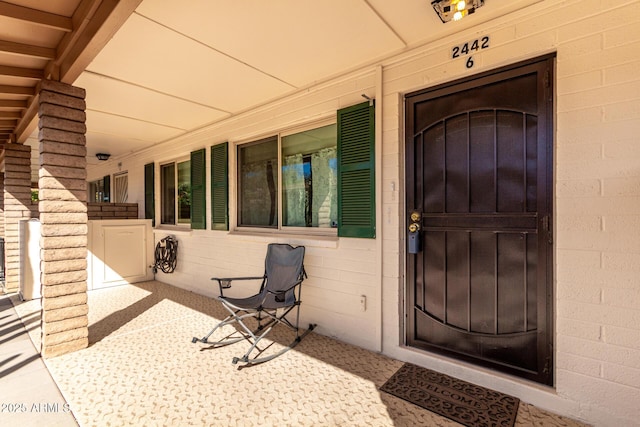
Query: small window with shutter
point(182, 191)
point(318, 178)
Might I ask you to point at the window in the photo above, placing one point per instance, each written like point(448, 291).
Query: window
point(319, 179)
point(99, 190)
point(258, 176)
point(121, 190)
point(290, 180)
point(175, 187)
point(309, 178)
point(96, 191)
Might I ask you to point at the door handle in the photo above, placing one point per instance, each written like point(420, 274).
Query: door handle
point(414, 239)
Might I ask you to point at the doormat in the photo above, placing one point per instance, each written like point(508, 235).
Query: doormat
point(450, 397)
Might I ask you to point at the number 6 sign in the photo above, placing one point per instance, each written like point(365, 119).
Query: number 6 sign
point(469, 48)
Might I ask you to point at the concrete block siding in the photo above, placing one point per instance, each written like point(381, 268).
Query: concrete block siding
point(596, 203)
point(63, 241)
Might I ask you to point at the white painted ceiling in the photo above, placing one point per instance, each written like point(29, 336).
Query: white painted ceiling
point(177, 65)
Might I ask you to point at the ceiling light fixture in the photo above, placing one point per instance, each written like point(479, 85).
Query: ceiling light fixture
point(103, 156)
point(455, 10)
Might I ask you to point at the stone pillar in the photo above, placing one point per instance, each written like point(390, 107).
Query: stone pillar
point(63, 217)
point(2, 261)
point(17, 206)
point(1, 204)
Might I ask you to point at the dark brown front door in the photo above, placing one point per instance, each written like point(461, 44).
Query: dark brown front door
point(478, 165)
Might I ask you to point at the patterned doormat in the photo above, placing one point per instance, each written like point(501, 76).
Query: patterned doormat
point(450, 397)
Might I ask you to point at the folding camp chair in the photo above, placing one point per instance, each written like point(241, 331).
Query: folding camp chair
point(279, 294)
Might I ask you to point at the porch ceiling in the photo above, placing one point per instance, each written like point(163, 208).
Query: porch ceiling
point(154, 70)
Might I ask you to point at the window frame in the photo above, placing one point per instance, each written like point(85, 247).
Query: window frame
point(103, 188)
point(175, 163)
point(279, 228)
point(116, 177)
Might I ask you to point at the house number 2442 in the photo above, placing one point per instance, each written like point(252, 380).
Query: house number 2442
point(470, 48)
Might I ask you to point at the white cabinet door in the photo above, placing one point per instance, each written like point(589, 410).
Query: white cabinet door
point(120, 251)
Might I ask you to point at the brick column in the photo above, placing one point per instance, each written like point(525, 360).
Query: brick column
point(17, 206)
point(1, 204)
point(2, 261)
point(63, 217)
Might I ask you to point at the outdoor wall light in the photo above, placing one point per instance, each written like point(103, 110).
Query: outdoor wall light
point(455, 10)
point(103, 156)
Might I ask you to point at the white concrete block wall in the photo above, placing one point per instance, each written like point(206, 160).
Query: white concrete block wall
point(597, 243)
point(596, 203)
point(597, 209)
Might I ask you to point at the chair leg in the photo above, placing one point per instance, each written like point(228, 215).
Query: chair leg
point(245, 359)
point(227, 321)
point(273, 319)
point(270, 319)
point(231, 318)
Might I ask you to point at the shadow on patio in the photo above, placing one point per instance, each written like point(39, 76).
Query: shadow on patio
point(142, 369)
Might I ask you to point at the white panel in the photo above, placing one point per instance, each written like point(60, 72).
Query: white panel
point(151, 55)
point(113, 144)
point(122, 255)
point(297, 41)
point(30, 255)
point(124, 99)
point(120, 251)
point(129, 128)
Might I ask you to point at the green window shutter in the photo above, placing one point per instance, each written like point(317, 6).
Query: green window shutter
point(356, 171)
point(149, 193)
point(198, 190)
point(220, 187)
point(106, 189)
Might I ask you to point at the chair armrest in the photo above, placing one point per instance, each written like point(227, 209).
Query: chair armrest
point(225, 282)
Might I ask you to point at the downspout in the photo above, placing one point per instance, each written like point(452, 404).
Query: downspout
point(379, 209)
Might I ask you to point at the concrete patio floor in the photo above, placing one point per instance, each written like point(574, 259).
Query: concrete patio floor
point(141, 369)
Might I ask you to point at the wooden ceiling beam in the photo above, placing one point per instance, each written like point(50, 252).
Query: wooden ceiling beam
point(37, 17)
point(16, 90)
point(98, 29)
point(83, 14)
point(28, 73)
point(95, 22)
point(13, 104)
point(27, 50)
point(10, 114)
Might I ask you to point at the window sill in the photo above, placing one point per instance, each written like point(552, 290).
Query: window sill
point(172, 229)
point(301, 238)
